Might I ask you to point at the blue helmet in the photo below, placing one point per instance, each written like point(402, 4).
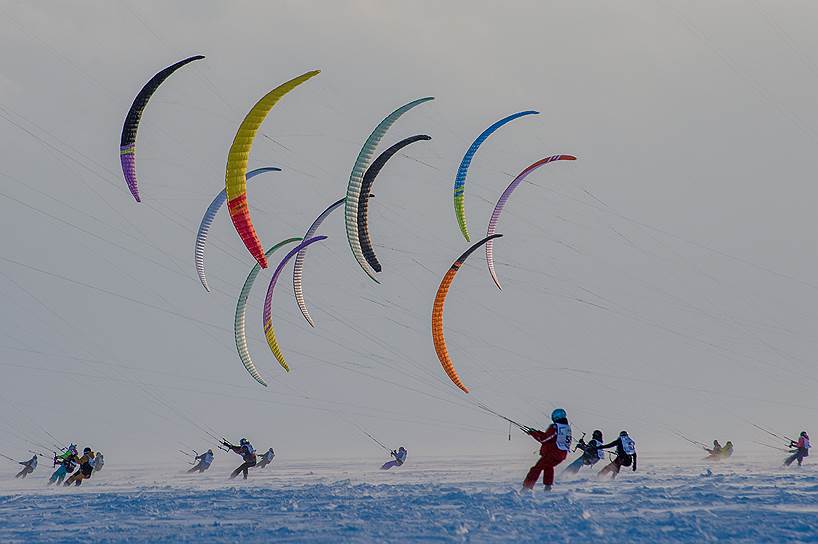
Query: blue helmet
point(558, 413)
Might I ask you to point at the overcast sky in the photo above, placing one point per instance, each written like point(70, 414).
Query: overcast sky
point(664, 282)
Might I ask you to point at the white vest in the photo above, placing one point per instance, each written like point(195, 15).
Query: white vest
point(628, 445)
point(599, 453)
point(563, 438)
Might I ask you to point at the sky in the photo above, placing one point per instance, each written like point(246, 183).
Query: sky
point(663, 283)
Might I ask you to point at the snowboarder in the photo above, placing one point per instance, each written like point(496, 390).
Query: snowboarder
point(801, 449)
point(267, 458)
point(86, 463)
point(248, 454)
point(28, 467)
point(399, 458)
point(204, 463)
point(625, 455)
point(556, 443)
point(716, 451)
point(591, 453)
point(67, 462)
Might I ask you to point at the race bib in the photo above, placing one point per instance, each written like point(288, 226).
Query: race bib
point(628, 445)
point(563, 436)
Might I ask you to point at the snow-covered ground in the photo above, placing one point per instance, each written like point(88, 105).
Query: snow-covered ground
point(428, 500)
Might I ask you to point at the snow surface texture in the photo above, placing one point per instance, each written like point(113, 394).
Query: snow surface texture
point(425, 501)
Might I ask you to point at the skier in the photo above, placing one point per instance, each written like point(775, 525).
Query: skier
point(591, 453)
point(28, 467)
point(716, 451)
point(399, 458)
point(625, 455)
point(67, 462)
point(727, 451)
point(801, 449)
point(267, 458)
point(248, 454)
point(556, 443)
point(205, 460)
point(99, 461)
point(86, 463)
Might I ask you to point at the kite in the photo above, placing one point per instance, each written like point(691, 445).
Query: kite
point(363, 199)
point(207, 221)
point(269, 332)
point(127, 142)
point(235, 181)
point(298, 267)
point(356, 180)
point(437, 314)
point(463, 169)
point(498, 208)
point(240, 324)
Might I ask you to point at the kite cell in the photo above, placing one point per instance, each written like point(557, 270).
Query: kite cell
point(498, 208)
point(356, 180)
point(269, 332)
point(207, 221)
point(127, 142)
point(437, 314)
point(240, 324)
point(363, 199)
point(463, 169)
point(235, 181)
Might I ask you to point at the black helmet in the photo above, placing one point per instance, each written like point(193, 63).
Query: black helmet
point(86, 450)
point(597, 435)
point(623, 433)
point(803, 433)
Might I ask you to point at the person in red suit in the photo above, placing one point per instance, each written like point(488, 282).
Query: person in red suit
point(555, 444)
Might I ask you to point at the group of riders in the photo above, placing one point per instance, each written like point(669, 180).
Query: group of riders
point(69, 462)
point(555, 445)
point(251, 459)
point(248, 454)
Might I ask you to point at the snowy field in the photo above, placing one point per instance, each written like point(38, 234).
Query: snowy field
point(668, 500)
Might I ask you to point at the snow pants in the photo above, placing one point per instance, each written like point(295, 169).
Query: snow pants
point(616, 465)
point(243, 468)
point(797, 456)
point(574, 467)
point(545, 465)
point(59, 475)
point(25, 472)
point(199, 468)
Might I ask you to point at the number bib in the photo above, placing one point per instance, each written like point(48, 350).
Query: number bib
point(563, 436)
point(628, 445)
